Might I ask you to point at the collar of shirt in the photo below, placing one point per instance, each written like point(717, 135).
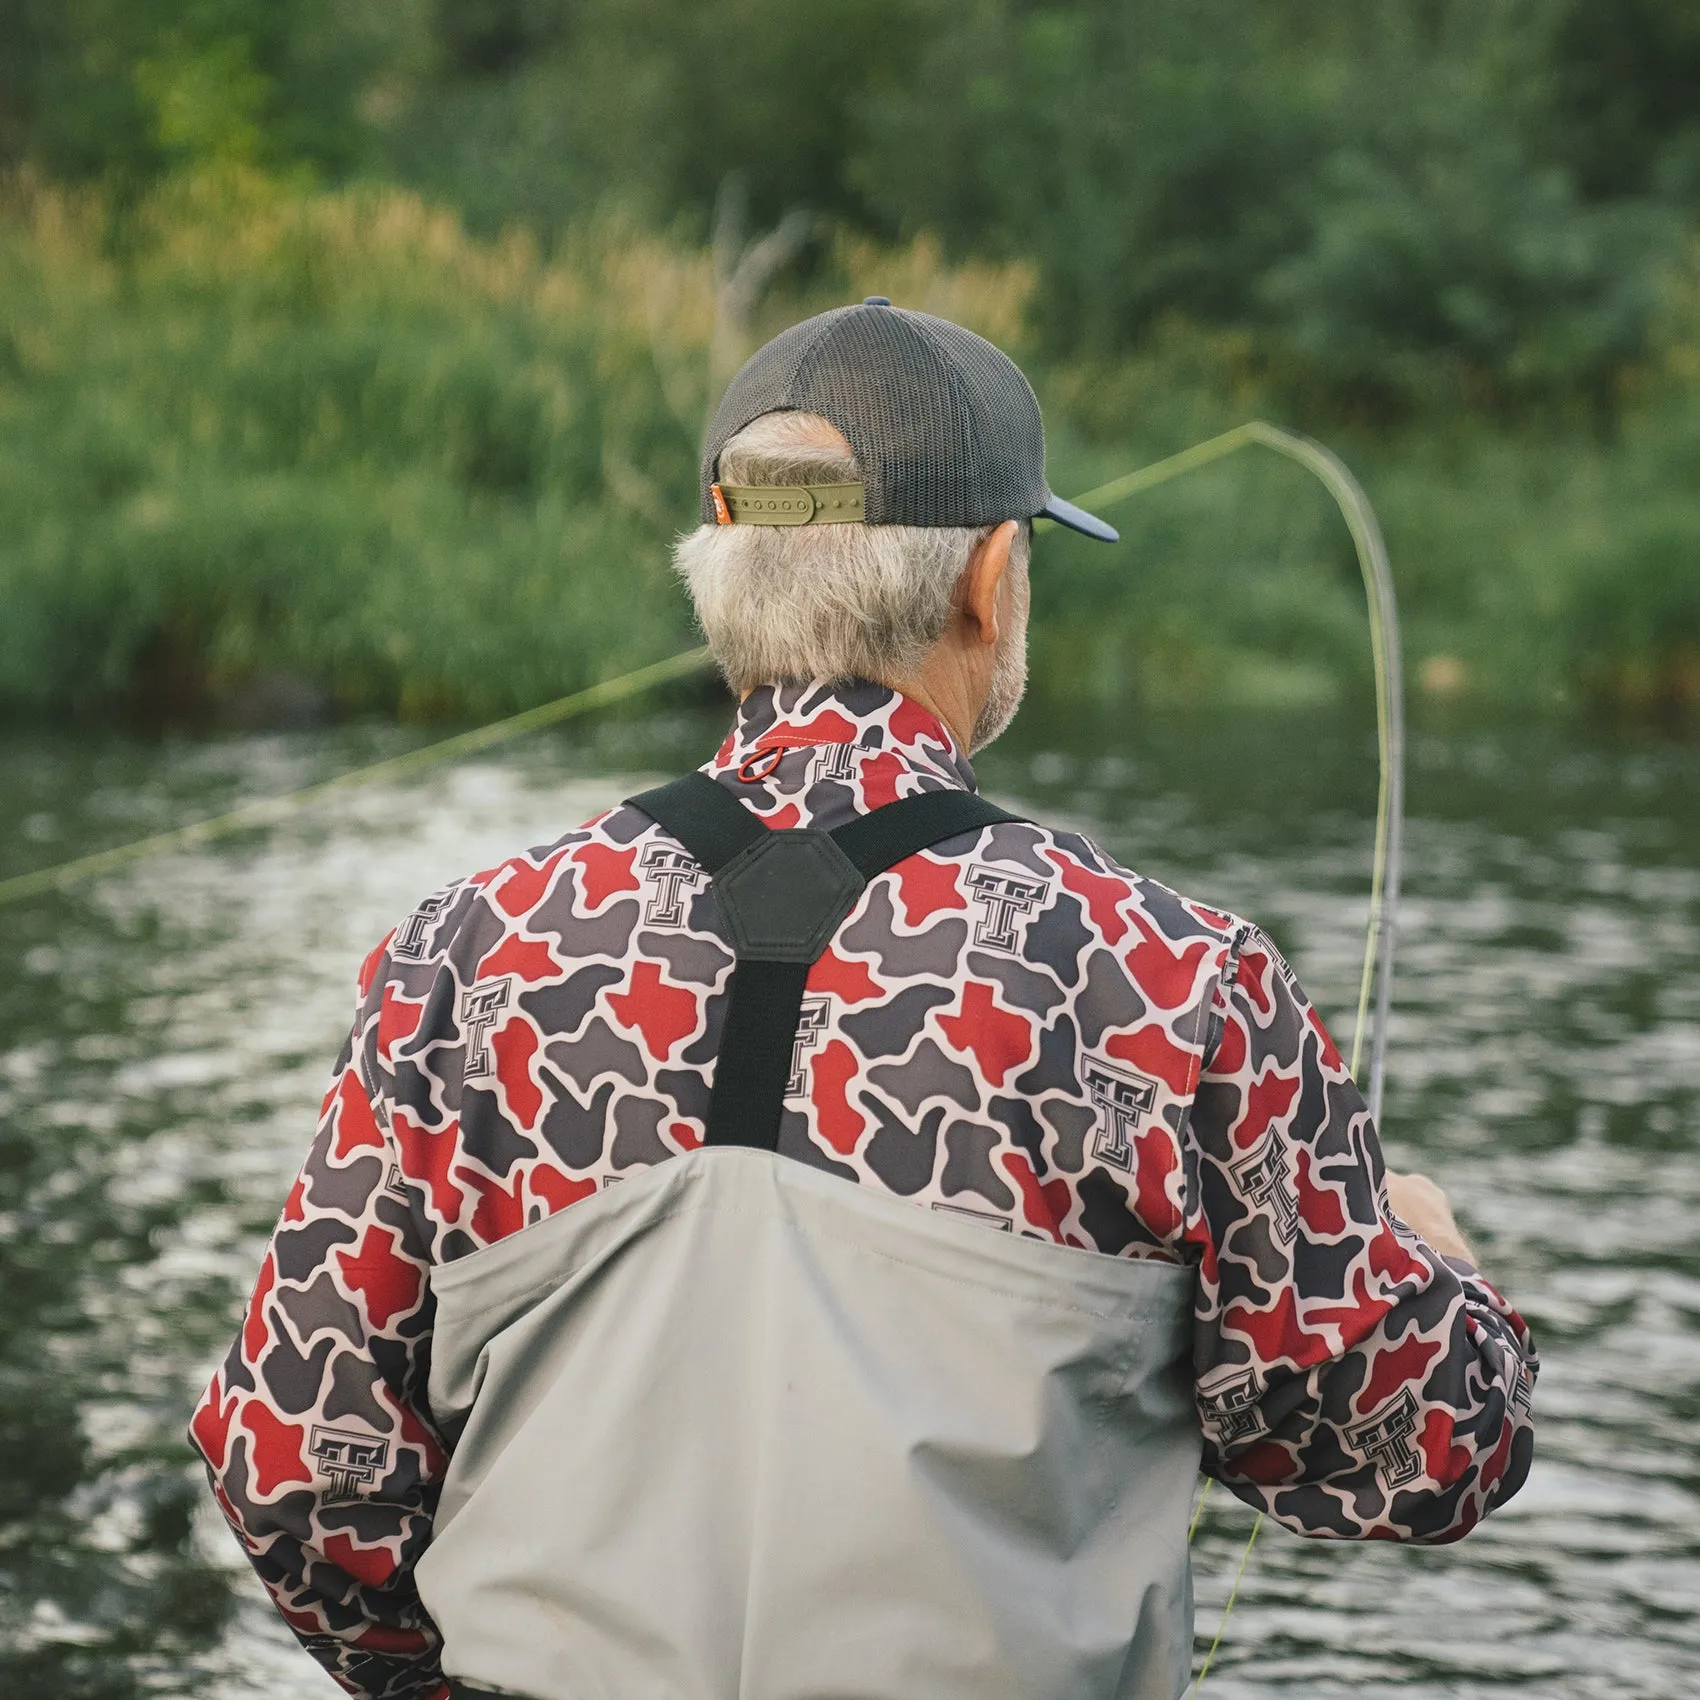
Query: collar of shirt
point(793, 740)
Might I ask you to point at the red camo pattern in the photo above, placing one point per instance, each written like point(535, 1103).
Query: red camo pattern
point(1008, 1027)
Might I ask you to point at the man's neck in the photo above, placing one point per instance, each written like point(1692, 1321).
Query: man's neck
point(946, 687)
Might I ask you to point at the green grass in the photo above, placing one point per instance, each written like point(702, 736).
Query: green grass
point(251, 432)
point(327, 437)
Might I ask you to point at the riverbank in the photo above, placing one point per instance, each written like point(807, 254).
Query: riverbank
point(271, 455)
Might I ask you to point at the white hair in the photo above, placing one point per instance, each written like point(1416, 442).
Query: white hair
point(802, 602)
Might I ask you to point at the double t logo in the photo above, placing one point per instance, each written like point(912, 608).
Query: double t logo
point(670, 871)
point(481, 1007)
point(351, 1461)
point(1124, 1099)
point(409, 944)
point(1002, 897)
point(810, 1025)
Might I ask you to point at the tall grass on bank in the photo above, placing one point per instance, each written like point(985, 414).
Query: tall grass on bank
point(260, 445)
point(264, 446)
point(326, 436)
point(1545, 566)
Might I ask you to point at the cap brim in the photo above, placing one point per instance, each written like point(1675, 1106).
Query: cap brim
point(1078, 519)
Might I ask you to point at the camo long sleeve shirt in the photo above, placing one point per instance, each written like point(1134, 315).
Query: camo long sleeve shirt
point(1021, 1033)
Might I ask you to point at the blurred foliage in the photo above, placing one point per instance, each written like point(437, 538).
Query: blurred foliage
point(124, 90)
point(1622, 111)
point(328, 435)
point(323, 449)
point(265, 411)
point(1415, 203)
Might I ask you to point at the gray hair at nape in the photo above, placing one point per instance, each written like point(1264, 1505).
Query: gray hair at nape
point(801, 602)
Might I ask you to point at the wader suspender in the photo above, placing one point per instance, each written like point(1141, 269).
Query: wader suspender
point(782, 895)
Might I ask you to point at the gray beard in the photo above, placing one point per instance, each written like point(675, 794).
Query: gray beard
point(1009, 683)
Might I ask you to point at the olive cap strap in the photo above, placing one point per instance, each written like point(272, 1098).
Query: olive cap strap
point(787, 504)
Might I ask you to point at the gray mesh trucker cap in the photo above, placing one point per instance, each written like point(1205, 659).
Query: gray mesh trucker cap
point(944, 426)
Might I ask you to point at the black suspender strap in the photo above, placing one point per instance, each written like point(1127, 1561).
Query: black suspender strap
point(782, 896)
point(706, 818)
point(752, 1073)
point(882, 839)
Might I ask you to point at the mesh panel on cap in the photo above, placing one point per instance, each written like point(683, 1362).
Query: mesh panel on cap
point(943, 424)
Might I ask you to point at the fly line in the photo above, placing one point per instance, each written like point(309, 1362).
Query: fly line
point(1385, 860)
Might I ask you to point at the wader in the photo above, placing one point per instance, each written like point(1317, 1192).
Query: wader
point(737, 1430)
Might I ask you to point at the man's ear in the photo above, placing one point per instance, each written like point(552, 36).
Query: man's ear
point(982, 579)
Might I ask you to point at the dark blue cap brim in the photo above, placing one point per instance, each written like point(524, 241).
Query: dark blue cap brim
point(1078, 519)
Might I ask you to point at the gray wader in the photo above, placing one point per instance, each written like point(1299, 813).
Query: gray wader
point(735, 1428)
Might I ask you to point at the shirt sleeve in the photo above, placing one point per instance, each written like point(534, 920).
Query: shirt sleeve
point(1352, 1382)
point(315, 1431)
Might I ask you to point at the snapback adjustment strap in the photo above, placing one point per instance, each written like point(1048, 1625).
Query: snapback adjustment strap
point(787, 504)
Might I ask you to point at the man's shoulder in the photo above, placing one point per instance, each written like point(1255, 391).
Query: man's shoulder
point(598, 869)
point(1111, 894)
point(462, 921)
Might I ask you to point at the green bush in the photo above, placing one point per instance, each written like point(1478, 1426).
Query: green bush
point(327, 436)
point(1631, 621)
point(256, 440)
point(1414, 210)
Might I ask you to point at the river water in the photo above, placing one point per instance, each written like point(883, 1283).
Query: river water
point(166, 1033)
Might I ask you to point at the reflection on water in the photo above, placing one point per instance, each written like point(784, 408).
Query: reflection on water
point(166, 1035)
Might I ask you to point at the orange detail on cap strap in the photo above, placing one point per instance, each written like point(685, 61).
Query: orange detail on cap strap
point(722, 513)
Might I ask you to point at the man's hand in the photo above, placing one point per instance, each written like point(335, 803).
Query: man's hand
point(1421, 1205)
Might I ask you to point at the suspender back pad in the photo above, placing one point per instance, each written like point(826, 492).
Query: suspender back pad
point(782, 895)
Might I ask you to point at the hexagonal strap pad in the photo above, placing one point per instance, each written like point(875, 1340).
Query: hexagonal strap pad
point(784, 896)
